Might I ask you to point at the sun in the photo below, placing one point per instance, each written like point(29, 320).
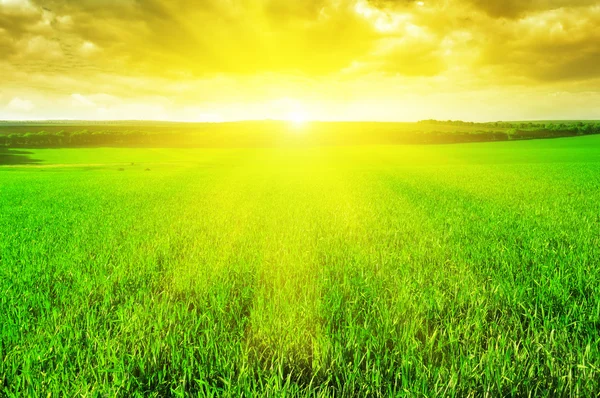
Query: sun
point(292, 111)
point(297, 118)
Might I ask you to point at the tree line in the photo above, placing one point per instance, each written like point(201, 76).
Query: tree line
point(273, 134)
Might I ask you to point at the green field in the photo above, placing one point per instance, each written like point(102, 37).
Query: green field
point(459, 270)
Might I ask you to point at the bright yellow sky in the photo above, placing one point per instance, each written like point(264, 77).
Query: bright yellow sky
point(213, 60)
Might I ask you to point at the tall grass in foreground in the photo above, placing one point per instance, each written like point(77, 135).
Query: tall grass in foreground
point(324, 272)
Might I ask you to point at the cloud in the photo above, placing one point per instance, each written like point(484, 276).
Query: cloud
point(81, 100)
point(553, 45)
point(194, 52)
point(210, 37)
point(19, 6)
point(20, 105)
point(508, 9)
point(180, 39)
point(518, 8)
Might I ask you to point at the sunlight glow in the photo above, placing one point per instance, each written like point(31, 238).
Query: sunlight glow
point(297, 118)
point(342, 60)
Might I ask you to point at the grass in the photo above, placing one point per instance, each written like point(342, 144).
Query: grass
point(461, 270)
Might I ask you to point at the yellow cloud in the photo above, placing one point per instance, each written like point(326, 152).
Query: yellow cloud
point(241, 55)
point(20, 105)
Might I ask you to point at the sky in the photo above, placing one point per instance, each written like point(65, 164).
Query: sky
point(224, 60)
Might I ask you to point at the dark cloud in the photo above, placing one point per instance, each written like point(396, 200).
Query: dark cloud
point(494, 8)
point(18, 21)
point(212, 36)
point(547, 47)
point(519, 8)
point(185, 39)
point(7, 43)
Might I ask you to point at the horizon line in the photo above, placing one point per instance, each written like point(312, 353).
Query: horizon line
point(100, 121)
